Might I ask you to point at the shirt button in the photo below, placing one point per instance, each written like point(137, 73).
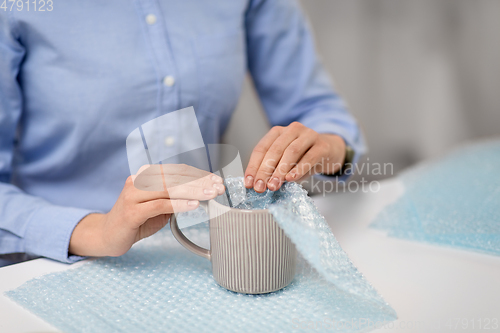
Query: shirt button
point(169, 141)
point(150, 19)
point(169, 81)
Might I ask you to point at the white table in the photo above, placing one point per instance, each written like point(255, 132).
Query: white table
point(430, 287)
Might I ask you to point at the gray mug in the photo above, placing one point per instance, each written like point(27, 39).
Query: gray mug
point(249, 251)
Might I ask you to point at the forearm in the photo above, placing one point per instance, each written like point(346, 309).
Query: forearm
point(292, 83)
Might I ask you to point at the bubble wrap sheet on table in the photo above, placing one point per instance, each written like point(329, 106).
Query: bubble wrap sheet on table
point(158, 286)
point(454, 201)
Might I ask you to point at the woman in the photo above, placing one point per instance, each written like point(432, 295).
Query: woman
point(75, 80)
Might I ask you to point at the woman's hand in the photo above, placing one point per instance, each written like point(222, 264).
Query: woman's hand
point(291, 153)
point(143, 209)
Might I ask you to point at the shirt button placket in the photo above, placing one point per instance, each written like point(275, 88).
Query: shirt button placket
point(165, 67)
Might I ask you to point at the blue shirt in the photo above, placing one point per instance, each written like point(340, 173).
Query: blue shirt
point(76, 80)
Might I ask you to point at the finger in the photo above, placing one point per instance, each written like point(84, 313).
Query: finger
point(181, 192)
point(158, 177)
point(157, 207)
point(187, 170)
point(178, 188)
point(272, 158)
point(176, 183)
point(172, 169)
point(306, 164)
point(293, 154)
point(258, 154)
point(172, 184)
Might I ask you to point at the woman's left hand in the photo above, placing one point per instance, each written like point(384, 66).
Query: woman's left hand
point(290, 153)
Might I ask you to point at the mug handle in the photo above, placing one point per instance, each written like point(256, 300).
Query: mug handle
point(185, 241)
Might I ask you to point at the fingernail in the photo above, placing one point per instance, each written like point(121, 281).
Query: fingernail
point(248, 181)
point(274, 183)
point(209, 191)
point(293, 174)
point(259, 186)
point(192, 203)
point(217, 179)
point(219, 187)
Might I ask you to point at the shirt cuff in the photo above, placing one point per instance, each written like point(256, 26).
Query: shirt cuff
point(49, 231)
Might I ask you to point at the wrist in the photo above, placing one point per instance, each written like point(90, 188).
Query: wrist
point(87, 237)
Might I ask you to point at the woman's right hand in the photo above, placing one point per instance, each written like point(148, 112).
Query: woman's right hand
point(143, 208)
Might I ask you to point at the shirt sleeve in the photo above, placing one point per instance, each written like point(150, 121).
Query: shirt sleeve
point(289, 78)
point(28, 224)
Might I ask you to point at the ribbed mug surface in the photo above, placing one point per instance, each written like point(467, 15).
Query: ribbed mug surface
point(250, 253)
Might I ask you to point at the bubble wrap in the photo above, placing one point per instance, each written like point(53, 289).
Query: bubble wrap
point(160, 286)
point(454, 201)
